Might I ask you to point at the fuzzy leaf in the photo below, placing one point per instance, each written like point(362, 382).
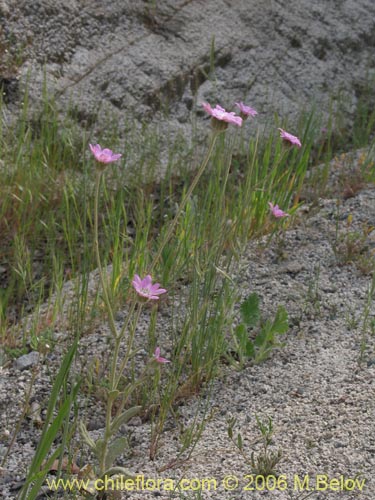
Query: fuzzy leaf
point(115, 449)
point(124, 418)
point(98, 450)
point(112, 395)
point(85, 435)
point(250, 310)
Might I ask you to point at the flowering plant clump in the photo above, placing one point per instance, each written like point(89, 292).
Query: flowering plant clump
point(104, 155)
point(107, 449)
point(245, 111)
point(292, 139)
point(220, 115)
point(158, 358)
point(276, 211)
point(146, 289)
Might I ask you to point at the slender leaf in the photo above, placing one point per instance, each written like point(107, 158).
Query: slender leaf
point(40, 477)
point(50, 430)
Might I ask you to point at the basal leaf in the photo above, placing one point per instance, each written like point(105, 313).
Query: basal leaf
point(124, 418)
point(250, 310)
point(280, 323)
point(115, 449)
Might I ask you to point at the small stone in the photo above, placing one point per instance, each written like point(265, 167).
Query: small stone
point(95, 424)
point(34, 413)
point(119, 316)
point(293, 268)
point(339, 444)
point(27, 361)
point(135, 422)
point(4, 8)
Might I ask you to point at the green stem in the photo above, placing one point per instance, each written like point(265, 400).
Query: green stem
point(110, 401)
point(103, 281)
point(126, 323)
point(114, 381)
point(112, 326)
point(185, 200)
point(107, 435)
point(227, 170)
point(129, 348)
point(272, 173)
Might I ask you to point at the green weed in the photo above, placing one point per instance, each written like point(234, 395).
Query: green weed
point(264, 462)
point(258, 345)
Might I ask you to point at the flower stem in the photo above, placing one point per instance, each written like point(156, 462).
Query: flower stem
point(185, 200)
point(103, 281)
point(129, 348)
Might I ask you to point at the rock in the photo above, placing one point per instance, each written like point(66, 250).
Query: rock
point(26, 361)
point(292, 268)
point(95, 424)
point(138, 59)
point(4, 8)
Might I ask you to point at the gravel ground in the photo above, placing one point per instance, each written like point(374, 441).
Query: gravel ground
point(317, 392)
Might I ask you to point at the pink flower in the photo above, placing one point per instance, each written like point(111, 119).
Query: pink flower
point(146, 289)
point(219, 113)
point(104, 155)
point(245, 110)
point(158, 358)
point(290, 138)
point(276, 211)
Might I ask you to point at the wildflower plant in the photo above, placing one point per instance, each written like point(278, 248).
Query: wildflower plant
point(199, 243)
point(265, 462)
point(108, 448)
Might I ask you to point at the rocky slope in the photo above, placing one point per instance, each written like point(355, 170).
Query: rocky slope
point(124, 58)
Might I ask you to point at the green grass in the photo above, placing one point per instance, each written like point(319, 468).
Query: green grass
point(47, 227)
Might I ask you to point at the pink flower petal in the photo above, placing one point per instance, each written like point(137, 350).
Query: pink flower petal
point(246, 110)
point(276, 211)
point(158, 358)
point(219, 113)
point(146, 289)
point(290, 138)
point(104, 155)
